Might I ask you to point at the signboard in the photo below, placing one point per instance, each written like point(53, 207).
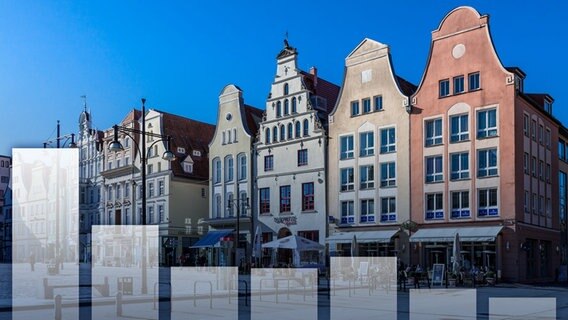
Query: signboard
point(438, 274)
point(288, 221)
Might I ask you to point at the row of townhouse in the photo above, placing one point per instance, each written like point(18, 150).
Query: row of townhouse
point(402, 167)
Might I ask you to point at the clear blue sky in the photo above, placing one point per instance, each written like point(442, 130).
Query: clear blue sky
point(179, 54)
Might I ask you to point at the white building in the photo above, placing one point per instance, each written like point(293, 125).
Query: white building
point(231, 185)
point(291, 155)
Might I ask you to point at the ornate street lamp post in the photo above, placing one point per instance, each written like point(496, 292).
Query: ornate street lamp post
point(238, 201)
point(116, 146)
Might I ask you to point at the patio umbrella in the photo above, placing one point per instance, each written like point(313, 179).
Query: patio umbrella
point(354, 247)
point(456, 252)
point(294, 242)
point(256, 246)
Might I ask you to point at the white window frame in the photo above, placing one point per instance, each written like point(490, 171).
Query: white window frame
point(460, 134)
point(490, 209)
point(483, 117)
point(434, 138)
point(349, 152)
point(367, 210)
point(389, 145)
point(367, 177)
point(437, 174)
point(348, 185)
point(460, 210)
point(437, 211)
point(347, 212)
point(388, 212)
point(459, 173)
point(388, 180)
point(489, 170)
point(366, 143)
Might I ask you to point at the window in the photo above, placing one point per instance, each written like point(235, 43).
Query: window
point(547, 172)
point(487, 123)
point(306, 127)
point(150, 189)
point(433, 132)
point(161, 217)
point(275, 134)
point(527, 202)
point(285, 199)
point(282, 133)
point(388, 174)
point(347, 179)
point(303, 157)
point(367, 144)
point(230, 206)
point(290, 131)
point(388, 140)
point(473, 81)
point(216, 170)
point(187, 167)
point(459, 166)
point(533, 130)
point(126, 191)
point(487, 163)
point(229, 168)
point(541, 205)
point(307, 196)
point(354, 108)
point(268, 163)
point(561, 149)
point(161, 188)
point(444, 87)
point(278, 109)
point(267, 136)
point(367, 176)
point(286, 89)
point(366, 105)
point(242, 167)
point(243, 203)
point(347, 213)
point(434, 172)
point(378, 103)
point(346, 145)
point(541, 134)
point(388, 209)
point(534, 203)
point(458, 84)
point(150, 169)
point(264, 196)
point(367, 210)
point(533, 166)
point(459, 128)
point(460, 205)
point(541, 170)
point(547, 138)
point(286, 107)
point(294, 105)
point(434, 206)
point(526, 124)
point(487, 203)
point(526, 163)
point(298, 129)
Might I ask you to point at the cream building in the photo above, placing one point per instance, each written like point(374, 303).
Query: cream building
point(291, 155)
point(369, 156)
point(231, 173)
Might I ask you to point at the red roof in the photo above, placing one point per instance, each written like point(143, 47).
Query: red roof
point(322, 88)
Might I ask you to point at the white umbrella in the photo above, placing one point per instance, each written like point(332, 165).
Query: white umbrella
point(294, 242)
point(456, 252)
point(354, 247)
point(256, 246)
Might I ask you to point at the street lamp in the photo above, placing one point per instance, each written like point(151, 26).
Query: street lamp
point(116, 146)
point(236, 240)
point(65, 138)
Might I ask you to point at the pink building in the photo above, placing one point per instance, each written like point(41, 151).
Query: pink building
point(483, 158)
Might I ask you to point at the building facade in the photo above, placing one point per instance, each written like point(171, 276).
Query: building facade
point(232, 174)
point(291, 155)
point(482, 163)
point(369, 167)
point(5, 209)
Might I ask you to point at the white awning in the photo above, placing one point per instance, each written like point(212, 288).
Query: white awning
point(467, 234)
point(380, 236)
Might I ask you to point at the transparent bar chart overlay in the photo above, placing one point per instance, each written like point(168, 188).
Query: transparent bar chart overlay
point(522, 308)
point(438, 304)
point(45, 233)
point(204, 293)
point(284, 293)
point(363, 288)
point(117, 275)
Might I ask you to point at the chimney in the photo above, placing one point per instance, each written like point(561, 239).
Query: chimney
point(314, 72)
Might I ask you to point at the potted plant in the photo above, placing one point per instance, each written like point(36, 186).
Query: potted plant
point(490, 278)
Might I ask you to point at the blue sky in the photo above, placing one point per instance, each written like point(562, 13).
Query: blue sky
point(180, 54)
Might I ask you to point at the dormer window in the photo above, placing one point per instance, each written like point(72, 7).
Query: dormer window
point(181, 150)
point(548, 106)
point(188, 167)
point(196, 153)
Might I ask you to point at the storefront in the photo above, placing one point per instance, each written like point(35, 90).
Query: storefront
point(372, 243)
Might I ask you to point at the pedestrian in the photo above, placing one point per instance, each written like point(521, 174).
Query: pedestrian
point(32, 261)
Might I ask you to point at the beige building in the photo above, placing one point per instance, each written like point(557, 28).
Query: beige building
point(231, 172)
point(368, 176)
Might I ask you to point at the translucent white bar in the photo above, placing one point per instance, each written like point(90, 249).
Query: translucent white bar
point(522, 308)
point(45, 232)
point(363, 288)
point(204, 293)
point(284, 294)
point(118, 256)
point(426, 304)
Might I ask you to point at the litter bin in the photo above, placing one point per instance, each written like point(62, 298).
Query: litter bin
point(125, 285)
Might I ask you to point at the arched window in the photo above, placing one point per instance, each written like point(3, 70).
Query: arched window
point(217, 206)
point(230, 204)
point(267, 136)
point(306, 127)
point(298, 129)
point(286, 107)
point(278, 109)
point(286, 89)
point(294, 108)
point(242, 166)
point(282, 133)
point(217, 170)
point(275, 134)
point(229, 168)
point(290, 131)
